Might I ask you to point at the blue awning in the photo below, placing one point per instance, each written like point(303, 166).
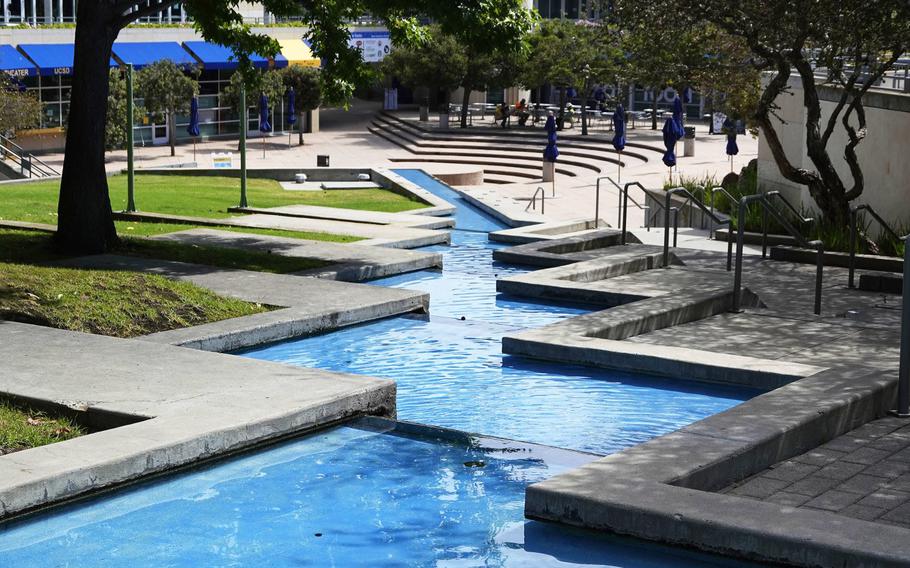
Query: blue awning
point(215, 57)
point(141, 54)
point(15, 64)
point(52, 58)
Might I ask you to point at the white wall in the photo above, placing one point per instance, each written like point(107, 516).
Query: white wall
point(883, 155)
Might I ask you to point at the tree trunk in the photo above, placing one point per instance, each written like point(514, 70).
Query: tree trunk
point(560, 120)
point(172, 131)
point(465, 101)
point(584, 111)
point(300, 116)
point(84, 223)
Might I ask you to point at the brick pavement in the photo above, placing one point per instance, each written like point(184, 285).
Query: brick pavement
point(864, 474)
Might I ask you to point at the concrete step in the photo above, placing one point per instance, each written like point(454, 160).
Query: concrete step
point(592, 151)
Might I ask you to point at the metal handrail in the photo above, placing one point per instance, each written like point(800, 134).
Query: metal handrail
point(738, 275)
point(25, 160)
point(624, 205)
point(712, 191)
point(692, 199)
point(620, 204)
point(533, 202)
point(854, 214)
point(764, 218)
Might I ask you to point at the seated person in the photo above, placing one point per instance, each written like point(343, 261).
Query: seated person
point(521, 109)
point(502, 114)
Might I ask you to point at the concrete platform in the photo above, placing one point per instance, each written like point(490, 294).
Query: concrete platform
point(376, 235)
point(661, 490)
point(310, 304)
point(187, 405)
point(546, 231)
point(352, 216)
point(350, 262)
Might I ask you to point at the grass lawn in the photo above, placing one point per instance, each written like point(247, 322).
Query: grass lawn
point(22, 429)
point(117, 303)
point(120, 304)
point(31, 246)
point(147, 229)
point(197, 196)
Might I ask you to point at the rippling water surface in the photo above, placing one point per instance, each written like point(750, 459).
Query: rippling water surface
point(451, 371)
point(341, 498)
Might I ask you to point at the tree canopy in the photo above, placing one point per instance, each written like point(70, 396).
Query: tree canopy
point(84, 211)
point(166, 91)
point(847, 44)
point(307, 85)
point(19, 109)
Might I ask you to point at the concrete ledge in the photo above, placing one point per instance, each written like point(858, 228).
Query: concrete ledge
point(438, 206)
point(546, 231)
point(312, 304)
point(875, 262)
point(567, 249)
point(193, 405)
point(750, 238)
point(654, 490)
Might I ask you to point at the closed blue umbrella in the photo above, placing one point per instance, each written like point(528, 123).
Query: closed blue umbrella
point(678, 117)
point(292, 108)
point(264, 125)
point(193, 127)
point(670, 138)
point(619, 135)
point(619, 128)
point(732, 147)
point(292, 111)
point(551, 152)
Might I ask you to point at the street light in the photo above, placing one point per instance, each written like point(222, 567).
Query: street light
point(584, 108)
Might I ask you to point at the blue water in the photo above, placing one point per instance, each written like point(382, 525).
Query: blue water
point(343, 497)
point(451, 371)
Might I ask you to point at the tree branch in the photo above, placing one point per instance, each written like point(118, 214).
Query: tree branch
point(126, 17)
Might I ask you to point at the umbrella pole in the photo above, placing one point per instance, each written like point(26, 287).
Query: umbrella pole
point(619, 168)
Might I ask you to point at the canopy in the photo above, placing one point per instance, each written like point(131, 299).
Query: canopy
point(15, 64)
point(52, 58)
point(216, 57)
point(298, 53)
point(143, 54)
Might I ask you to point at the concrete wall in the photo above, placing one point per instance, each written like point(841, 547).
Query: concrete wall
point(883, 154)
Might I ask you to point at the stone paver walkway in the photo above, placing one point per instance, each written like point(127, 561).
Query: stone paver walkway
point(864, 474)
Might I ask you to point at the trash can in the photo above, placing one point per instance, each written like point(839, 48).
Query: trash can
point(322, 161)
point(689, 141)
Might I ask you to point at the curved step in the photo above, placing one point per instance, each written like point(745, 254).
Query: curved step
point(533, 156)
point(447, 147)
point(480, 163)
point(512, 134)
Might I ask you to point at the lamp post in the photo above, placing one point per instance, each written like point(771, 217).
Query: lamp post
point(243, 127)
point(584, 108)
point(130, 173)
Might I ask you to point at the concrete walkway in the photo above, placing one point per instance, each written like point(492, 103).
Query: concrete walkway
point(350, 262)
point(376, 235)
